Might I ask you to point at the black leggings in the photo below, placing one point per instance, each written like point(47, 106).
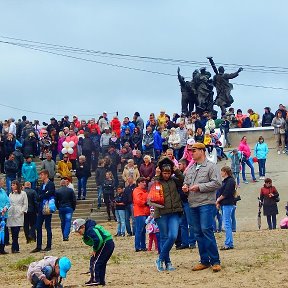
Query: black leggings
point(108, 200)
point(271, 221)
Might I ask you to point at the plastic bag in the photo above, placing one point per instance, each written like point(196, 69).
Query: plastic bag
point(49, 206)
point(156, 195)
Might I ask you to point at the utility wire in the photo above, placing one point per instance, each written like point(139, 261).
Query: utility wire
point(248, 66)
point(49, 114)
point(122, 66)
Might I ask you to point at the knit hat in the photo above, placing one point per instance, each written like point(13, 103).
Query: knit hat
point(77, 224)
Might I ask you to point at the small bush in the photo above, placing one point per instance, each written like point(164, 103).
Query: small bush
point(23, 264)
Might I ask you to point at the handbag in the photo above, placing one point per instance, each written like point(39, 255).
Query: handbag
point(156, 195)
point(49, 206)
point(282, 131)
point(237, 196)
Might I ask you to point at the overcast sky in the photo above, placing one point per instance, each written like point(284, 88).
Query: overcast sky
point(242, 32)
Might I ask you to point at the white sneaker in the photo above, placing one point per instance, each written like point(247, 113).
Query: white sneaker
point(283, 152)
point(278, 152)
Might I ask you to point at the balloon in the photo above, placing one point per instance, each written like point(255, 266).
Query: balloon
point(71, 144)
point(64, 151)
point(65, 144)
point(70, 150)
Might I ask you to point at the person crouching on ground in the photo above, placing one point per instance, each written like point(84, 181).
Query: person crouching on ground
point(48, 272)
point(103, 246)
point(168, 218)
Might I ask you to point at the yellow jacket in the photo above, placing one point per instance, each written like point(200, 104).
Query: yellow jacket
point(254, 118)
point(64, 168)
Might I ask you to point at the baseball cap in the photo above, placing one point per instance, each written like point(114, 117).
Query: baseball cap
point(77, 223)
point(190, 141)
point(64, 266)
point(199, 146)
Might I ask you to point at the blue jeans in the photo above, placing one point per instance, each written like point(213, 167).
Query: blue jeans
point(100, 192)
point(227, 219)
point(128, 215)
point(9, 179)
point(39, 222)
point(82, 182)
point(120, 216)
point(233, 218)
point(187, 235)
point(140, 232)
point(237, 178)
point(47, 271)
point(65, 214)
point(250, 165)
point(202, 224)
point(168, 227)
point(262, 169)
point(217, 215)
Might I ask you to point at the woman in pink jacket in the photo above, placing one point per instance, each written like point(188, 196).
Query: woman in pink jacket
point(246, 152)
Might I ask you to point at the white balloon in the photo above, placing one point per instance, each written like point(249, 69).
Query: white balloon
point(70, 150)
point(71, 144)
point(65, 144)
point(64, 151)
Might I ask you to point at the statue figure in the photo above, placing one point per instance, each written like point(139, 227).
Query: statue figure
point(223, 87)
point(205, 92)
point(188, 96)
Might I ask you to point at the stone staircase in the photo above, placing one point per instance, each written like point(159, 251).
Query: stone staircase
point(84, 208)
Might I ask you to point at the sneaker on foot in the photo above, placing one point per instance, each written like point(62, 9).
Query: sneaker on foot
point(159, 265)
point(246, 182)
point(47, 249)
point(36, 250)
point(255, 180)
point(169, 267)
point(200, 266)
point(216, 268)
point(91, 282)
point(278, 152)
point(284, 152)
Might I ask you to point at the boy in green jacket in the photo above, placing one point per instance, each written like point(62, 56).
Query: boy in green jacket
point(103, 246)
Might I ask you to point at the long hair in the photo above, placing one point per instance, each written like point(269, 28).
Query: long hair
point(18, 190)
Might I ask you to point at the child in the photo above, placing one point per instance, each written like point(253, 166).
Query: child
point(108, 193)
point(100, 178)
point(120, 211)
point(153, 230)
point(236, 157)
point(103, 246)
point(208, 142)
point(45, 273)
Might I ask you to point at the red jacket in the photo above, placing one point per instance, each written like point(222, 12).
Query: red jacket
point(94, 126)
point(140, 202)
point(77, 123)
point(116, 126)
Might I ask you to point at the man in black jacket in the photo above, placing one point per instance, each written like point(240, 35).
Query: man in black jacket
point(127, 200)
point(45, 192)
point(65, 201)
point(31, 214)
point(11, 169)
point(267, 117)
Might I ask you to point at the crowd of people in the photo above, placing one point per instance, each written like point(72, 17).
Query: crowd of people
point(169, 151)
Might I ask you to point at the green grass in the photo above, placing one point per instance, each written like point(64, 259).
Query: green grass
point(23, 264)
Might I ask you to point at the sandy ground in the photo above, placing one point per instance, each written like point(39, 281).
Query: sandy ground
point(258, 260)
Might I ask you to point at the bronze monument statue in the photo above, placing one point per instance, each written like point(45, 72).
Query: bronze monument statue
point(188, 100)
point(223, 87)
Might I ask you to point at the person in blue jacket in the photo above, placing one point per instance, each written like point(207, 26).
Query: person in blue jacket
point(4, 206)
point(29, 172)
point(127, 124)
point(260, 152)
point(158, 148)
